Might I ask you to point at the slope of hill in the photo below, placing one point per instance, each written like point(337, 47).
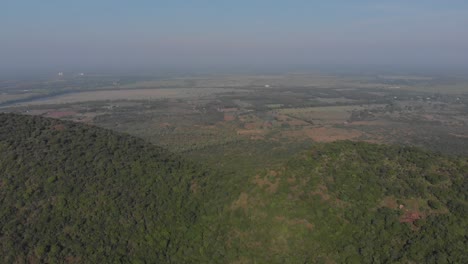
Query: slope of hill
point(72, 193)
point(348, 202)
point(75, 193)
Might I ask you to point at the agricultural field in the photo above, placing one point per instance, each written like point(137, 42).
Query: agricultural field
point(194, 115)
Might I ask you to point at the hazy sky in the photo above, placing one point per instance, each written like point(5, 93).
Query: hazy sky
point(81, 34)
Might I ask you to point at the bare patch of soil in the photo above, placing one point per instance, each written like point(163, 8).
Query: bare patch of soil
point(194, 187)
point(58, 127)
point(229, 117)
point(321, 191)
point(271, 187)
point(241, 202)
point(410, 217)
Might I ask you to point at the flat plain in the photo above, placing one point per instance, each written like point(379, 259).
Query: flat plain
point(194, 115)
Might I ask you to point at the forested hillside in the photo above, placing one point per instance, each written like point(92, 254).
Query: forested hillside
point(74, 193)
point(348, 202)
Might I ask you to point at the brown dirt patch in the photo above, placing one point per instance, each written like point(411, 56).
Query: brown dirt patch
point(229, 117)
point(271, 187)
point(241, 202)
point(250, 126)
point(273, 173)
point(428, 117)
point(410, 217)
point(296, 192)
point(291, 180)
point(194, 187)
point(261, 181)
point(321, 191)
point(164, 125)
point(280, 218)
point(58, 127)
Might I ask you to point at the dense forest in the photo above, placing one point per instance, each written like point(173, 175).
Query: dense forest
point(73, 193)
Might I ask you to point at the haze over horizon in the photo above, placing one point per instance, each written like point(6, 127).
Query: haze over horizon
point(129, 35)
